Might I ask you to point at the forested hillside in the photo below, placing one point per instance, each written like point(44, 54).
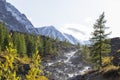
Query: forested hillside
point(21, 54)
point(66, 48)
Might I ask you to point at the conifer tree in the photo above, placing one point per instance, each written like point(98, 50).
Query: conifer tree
point(85, 52)
point(22, 44)
point(99, 43)
point(44, 47)
point(30, 44)
point(19, 42)
point(49, 47)
point(3, 35)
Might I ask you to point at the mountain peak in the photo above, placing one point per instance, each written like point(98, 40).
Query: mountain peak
point(52, 32)
point(14, 19)
point(51, 26)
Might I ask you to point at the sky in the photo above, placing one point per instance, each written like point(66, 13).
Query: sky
point(75, 17)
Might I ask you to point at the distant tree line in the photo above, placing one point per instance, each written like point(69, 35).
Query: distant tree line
point(26, 43)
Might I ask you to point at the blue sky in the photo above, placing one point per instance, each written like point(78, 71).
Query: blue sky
point(68, 14)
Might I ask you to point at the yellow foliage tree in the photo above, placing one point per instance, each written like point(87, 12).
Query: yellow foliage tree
point(8, 66)
point(7, 69)
point(35, 72)
point(106, 60)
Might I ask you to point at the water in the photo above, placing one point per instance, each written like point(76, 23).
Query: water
point(65, 67)
point(69, 56)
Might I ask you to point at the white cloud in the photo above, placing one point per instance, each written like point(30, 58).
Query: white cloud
point(83, 12)
point(82, 33)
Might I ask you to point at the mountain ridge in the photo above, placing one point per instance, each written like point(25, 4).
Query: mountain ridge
point(51, 31)
point(17, 21)
point(13, 18)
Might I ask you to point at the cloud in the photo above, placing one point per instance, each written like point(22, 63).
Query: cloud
point(79, 31)
point(76, 30)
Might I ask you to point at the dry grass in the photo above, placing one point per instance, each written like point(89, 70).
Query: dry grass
point(109, 68)
point(110, 72)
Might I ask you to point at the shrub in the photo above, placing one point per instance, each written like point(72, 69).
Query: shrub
point(106, 60)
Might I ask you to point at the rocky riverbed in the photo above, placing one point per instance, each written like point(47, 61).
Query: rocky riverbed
point(66, 66)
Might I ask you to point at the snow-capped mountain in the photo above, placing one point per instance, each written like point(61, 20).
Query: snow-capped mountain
point(14, 20)
point(71, 39)
point(52, 32)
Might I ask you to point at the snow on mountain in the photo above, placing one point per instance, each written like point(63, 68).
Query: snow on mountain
point(71, 39)
point(52, 32)
point(14, 19)
point(20, 17)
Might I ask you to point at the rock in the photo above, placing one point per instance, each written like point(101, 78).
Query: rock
point(79, 77)
point(65, 66)
point(23, 69)
point(115, 46)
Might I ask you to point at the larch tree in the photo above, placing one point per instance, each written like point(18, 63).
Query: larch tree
point(100, 46)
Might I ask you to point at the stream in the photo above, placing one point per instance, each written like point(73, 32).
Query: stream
point(67, 66)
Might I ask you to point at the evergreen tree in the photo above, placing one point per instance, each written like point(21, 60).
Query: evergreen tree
point(22, 44)
point(85, 52)
point(49, 47)
point(100, 46)
point(44, 46)
point(15, 39)
point(19, 42)
point(38, 44)
point(3, 36)
point(30, 44)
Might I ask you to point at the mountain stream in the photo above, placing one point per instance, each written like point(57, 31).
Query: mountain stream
point(65, 67)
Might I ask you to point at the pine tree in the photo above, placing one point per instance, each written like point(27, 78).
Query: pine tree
point(22, 44)
point(49, 47)
point(19, 42)
point(3, 36)
point(44, 47)
point(30, 44)
point(85, 52)
point(99, 43)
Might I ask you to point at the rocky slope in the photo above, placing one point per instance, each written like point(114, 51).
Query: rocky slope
point(107, 73)
point(15, 20)
point(115, 47)
point(67, 65)
point(112, 74)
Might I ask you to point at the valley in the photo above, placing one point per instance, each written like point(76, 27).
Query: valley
point(28, 52)
point(66, 66)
